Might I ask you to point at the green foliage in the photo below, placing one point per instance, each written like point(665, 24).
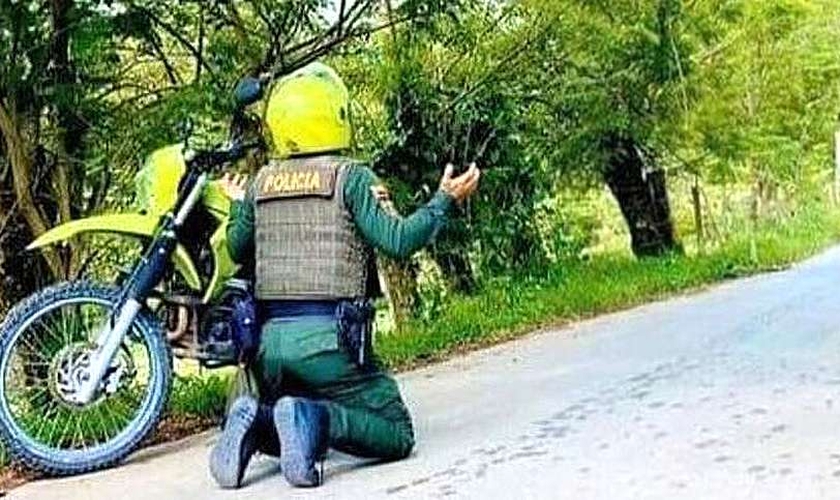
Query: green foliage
point(568, 223)
point(199, 397)
point(620, 68)
point(529, 89)
point(737, 98)
point(445, 99)
point(568, 291)
point(91, 87)
point(769, 97)
point(572, 290)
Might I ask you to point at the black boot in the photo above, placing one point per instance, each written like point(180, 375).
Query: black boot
point(266, 434)
point(236, 445)
point(303, 428)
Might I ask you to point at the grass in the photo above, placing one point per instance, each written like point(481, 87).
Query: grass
point(511, 306)
point(508, 307)
point(199, 397)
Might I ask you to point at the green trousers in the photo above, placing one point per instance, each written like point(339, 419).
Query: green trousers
point(300, 357)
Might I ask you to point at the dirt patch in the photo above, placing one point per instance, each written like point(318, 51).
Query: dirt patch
point(12, 477)
point(175, 427)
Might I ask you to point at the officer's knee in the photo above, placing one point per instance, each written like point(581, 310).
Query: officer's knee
point(405, 441)
point(406, 449)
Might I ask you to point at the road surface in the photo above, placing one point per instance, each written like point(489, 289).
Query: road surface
point(729, 393)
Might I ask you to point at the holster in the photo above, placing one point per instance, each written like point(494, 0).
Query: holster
point(233, 320)
point(355, 330)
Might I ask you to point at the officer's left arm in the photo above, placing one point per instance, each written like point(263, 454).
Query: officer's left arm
point(396, 236)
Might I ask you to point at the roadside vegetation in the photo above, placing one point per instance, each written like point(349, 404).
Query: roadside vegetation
point(514, 305)
point(631, 149)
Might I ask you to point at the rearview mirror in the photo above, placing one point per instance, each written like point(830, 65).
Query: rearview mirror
point(248, 91)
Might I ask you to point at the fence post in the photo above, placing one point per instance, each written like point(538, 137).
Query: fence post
point(835, 192)
point(698, 213)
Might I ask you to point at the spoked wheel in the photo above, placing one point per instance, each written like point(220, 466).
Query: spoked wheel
point(45, 348)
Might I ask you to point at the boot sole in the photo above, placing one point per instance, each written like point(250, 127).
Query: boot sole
point(227, 457)
point(292, 459)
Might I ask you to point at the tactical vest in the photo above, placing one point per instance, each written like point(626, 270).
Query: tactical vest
point(307, 246)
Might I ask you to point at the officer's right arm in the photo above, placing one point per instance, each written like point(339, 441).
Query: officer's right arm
point(396, 236)
point(240, 229)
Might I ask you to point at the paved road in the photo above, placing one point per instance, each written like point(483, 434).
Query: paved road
point(729, 393)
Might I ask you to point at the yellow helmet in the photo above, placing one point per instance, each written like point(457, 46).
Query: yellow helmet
point(308, 112)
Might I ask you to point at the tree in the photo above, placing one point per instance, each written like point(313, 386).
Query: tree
point(767, 105)
point(41, 123)
point(613, 77)
point(447, 93)
point(89, 87)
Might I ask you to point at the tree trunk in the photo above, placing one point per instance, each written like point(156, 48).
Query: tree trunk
point(70, 127)
point(21, 272)
point(5, 302)
point(400, 280)
point(642, 196)
point(18, 153)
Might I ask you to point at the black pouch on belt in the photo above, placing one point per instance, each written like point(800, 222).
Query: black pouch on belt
point(231, 324)
point(355, 325)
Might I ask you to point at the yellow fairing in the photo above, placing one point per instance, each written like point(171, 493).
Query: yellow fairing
point(308, 112)
point(218, 204)
point(157, 181)
point(128, 224)
point(224, 267)
point(216, 200)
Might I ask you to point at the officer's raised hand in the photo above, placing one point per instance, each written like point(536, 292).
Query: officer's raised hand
point(234, 186)
point(460, 188)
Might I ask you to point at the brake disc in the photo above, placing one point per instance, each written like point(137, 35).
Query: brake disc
point(70, 369)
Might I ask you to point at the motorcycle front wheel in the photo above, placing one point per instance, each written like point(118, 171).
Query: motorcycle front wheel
point(45, 346)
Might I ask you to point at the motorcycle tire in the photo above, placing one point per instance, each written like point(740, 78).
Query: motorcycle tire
point(58, 461)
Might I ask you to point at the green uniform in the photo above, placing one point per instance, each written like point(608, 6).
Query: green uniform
point(395, 236)
point(300, 356)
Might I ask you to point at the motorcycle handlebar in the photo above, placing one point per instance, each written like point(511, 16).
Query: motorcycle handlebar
point(207, 160)
point(248, 91)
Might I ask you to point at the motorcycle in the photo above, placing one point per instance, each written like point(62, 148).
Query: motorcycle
point(85, 367)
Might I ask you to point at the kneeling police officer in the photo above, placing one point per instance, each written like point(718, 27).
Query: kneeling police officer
point(309, 224)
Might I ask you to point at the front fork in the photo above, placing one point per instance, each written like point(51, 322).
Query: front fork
point(145, 277)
